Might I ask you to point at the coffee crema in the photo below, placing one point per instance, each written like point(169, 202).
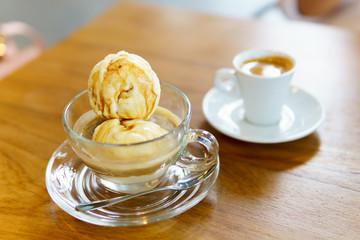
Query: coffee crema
point(271, 66)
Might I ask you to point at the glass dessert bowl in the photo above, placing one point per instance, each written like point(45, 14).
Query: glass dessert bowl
point(137, 167)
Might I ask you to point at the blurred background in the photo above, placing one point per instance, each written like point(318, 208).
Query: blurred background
point(54, 20)
point(27, 28)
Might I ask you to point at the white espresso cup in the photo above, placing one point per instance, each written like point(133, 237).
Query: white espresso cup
point(262, 79)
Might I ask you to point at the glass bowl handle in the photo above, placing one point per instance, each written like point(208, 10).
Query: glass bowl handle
point(206, 147)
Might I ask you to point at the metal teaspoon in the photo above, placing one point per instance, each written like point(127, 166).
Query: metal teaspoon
point(183, 184)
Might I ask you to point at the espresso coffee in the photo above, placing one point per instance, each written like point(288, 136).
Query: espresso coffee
point(271, 66)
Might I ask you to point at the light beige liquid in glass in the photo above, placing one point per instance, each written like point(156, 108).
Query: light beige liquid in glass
point(147, 161)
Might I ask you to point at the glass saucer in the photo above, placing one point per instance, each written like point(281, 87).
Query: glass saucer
point(69, 182)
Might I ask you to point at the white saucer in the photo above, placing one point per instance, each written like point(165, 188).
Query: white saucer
point(301, 115)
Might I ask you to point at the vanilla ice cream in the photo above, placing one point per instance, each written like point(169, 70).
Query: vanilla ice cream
point(127, 132)
point(123, 86)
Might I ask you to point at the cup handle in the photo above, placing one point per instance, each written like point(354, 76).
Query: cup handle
point(210, 151)
point(226, 81)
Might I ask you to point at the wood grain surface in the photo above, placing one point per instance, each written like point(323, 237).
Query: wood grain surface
point(304, 189)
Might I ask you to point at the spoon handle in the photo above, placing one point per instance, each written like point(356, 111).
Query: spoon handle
point(112, 201)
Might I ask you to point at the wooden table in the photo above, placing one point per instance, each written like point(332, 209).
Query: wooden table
point(304, 189)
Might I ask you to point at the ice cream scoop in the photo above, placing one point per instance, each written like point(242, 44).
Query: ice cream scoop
point(123, 86)
point(127, 132)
